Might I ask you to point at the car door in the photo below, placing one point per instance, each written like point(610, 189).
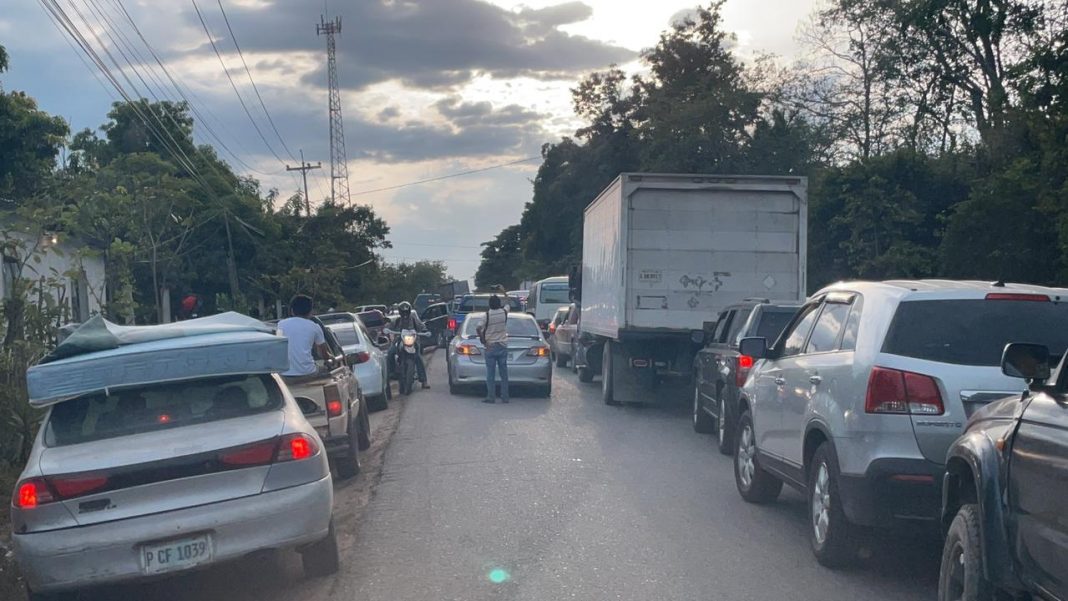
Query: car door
point(1038, 488)
point(823, 371)
point(778, 380)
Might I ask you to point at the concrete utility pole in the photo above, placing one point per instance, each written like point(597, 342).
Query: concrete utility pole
point(304, 168)
point(339, 169)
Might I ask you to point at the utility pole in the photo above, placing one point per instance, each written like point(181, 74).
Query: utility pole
point(304, 168)
point(339, 169)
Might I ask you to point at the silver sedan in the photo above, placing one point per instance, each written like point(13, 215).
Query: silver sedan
point(529, 363)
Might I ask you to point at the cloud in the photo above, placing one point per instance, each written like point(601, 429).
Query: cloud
point(437, 44)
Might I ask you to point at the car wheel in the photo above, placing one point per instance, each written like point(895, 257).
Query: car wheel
point(378, 403)
point(702, 421)
point(607, 394)
point(453, 388)
point(321, 558)
point(754, 484)
point(364, 432)
point(724, 432)
point(833, 538)
point(961, 576)
point(546, 391)
point(348, 464)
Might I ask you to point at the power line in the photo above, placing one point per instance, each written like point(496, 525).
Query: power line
point(451, 175)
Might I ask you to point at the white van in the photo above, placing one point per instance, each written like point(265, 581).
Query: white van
point(546, 296)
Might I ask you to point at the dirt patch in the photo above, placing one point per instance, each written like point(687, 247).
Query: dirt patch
point(10, 583)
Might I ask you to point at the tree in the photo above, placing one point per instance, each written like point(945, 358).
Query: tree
point(500, 260)
point(3, 59)
point(398, 282)
point(30, 140)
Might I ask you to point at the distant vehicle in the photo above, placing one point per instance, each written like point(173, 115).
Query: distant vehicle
point(368, 361)
point(546, 296)
point(559, 319)
point(720, 370)
point(454, 289)
point(1003, 510)
point(663, 254)
point(565, 338)
point(476, 303)
point(422, 301)
point(865, 391)
point(522, 295)
point(138, 473)
point(436, 319)
point(529, 364)
point(375, 321)
point(366, 308)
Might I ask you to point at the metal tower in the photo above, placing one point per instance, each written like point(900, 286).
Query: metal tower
point(339, 168)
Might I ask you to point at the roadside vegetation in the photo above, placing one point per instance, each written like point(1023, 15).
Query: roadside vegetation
point(932, 133)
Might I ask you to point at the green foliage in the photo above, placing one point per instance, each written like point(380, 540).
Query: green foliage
point(30, 140)
point(393, 283)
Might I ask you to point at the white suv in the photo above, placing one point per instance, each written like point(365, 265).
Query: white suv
point(858, 401)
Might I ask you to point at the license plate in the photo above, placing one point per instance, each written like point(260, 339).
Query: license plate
point(177, 554)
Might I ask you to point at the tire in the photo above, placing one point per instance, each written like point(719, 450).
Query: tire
point(833, 538)
point(321, 558)
point(377, 403)
point(607, 394)
point(754, 484)
point(453, 387)
point(702, 421)
point(585, 375)
point(724, 431)
point(407, 377)
point(561, 360)
point(546, 391)
point(348, 464)
point(961, 576)
point(364, 432)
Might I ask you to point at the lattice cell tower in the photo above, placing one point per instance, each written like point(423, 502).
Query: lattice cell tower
point(339, 168)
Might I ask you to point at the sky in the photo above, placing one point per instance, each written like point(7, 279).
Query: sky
point(429, 88)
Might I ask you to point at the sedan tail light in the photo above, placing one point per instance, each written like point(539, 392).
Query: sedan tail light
point(468, 349)
point(452, 323)
point(40, 491)
point(741, 370)
point(294, 447)
point(31, 493)
point(291, 447)
point(902, 392)
point(363, 357)
point(538, 351)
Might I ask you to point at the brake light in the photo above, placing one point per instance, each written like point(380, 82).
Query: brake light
point(538, 351)
point(452, 323)
point(468, 349)
point(363, 357)
point(77, 485)
point(902, 392)
point(31, 493)
point(295, 447)
point(1012, 296)
point(552, 328)
point(333, 408)
point(259, 453)
point(741, 370)
point(333, 400)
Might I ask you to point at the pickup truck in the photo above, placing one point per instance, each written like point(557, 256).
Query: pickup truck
point(333, 404)
point(720, 370)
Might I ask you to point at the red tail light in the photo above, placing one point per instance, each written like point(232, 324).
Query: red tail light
point(452, 323)
point(295, 447)
point(902, 392)
point(741, 371)
point(259, 453)
point(363, 357)
point(1012, 296)
point(31, 493)
point(333, 400)
point(552, 328)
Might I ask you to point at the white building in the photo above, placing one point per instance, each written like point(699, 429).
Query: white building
point(63, 268)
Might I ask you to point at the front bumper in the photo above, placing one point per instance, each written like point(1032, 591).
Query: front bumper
point(109, 552)
point(894, 490)
point(466, 371)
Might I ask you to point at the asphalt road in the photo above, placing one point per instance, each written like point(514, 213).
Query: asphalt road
point(558, 498)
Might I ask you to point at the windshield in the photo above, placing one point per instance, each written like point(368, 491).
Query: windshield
point(519, 326)
point(141, 409)
point(554, 294)
point(974, 332)
point(481, 303)
point(772, 323)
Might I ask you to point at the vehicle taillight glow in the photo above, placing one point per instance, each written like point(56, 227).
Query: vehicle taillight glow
point(259, 453)
point(332, 395)
point(741, 372)
point(77, 485)
point(1013, 296)
point(468, 349)
point(333, 408)
point(902, 392)
point(539, 351)
point(295, 447)
point(300, 448)
point(31, 493)
point(552, 328)
point(452, 323)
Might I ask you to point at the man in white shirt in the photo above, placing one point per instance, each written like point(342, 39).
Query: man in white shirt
point(304, 336)
point(494, 334)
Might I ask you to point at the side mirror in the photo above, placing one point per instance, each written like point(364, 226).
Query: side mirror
point(1027, 361)
point(307, 406)
point(757, 348)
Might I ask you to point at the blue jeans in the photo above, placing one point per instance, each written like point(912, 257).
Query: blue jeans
point(496, 360)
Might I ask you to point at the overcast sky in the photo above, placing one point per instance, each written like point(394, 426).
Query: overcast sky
point(430, 88)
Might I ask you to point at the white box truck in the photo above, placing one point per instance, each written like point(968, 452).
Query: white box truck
point(663, 254)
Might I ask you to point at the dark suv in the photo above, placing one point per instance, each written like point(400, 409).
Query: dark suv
point(720, 370)
point(1005, 488)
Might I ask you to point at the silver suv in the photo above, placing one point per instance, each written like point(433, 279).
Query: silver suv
point(858, 401)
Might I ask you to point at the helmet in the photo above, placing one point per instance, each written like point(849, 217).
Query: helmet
point(404, 308)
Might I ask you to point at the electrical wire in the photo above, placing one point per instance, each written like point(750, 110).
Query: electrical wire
point(449, 176)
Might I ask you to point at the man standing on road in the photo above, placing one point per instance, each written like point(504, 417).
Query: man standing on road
point(304, 336)
point(494, 335)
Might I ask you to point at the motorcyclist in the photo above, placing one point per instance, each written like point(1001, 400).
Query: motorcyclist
point(408, 320)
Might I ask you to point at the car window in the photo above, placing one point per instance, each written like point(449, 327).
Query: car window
point(573, 315)
point(346, 334)
point(852, 327)
point(828, 327)
point(518, 326)
point(720, 333)
point(795, 338)
point(772, 322)
point(134, 410)
point(734, 332)
point(974, 332)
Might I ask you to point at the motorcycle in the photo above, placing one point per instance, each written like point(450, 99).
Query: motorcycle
point(407, 349)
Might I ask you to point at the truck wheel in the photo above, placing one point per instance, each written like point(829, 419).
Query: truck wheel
point(754, 484)
point(348, 464)
point(961, 576)
point(833, 538)
point(702, 421)
point(364, 431)
point(321, 558)
point(606, 377)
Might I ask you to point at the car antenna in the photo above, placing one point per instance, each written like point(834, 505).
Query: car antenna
point(999, 284)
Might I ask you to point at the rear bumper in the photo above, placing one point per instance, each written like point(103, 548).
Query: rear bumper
point(540, 372)
point(894, 490)
point(110, 552)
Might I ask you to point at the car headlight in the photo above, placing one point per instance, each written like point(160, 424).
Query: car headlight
point(409, 340)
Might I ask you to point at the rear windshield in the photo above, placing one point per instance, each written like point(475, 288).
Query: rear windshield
point(346, 334)
point(372, 319)
point(481, 303)
point(772, 323)
point(140, 409)
point(554, 294)
point(519, 326)
point(974, 332)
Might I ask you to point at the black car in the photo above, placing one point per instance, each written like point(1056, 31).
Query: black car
point(720, 370)
point(436, 319)
point(1006, 488)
